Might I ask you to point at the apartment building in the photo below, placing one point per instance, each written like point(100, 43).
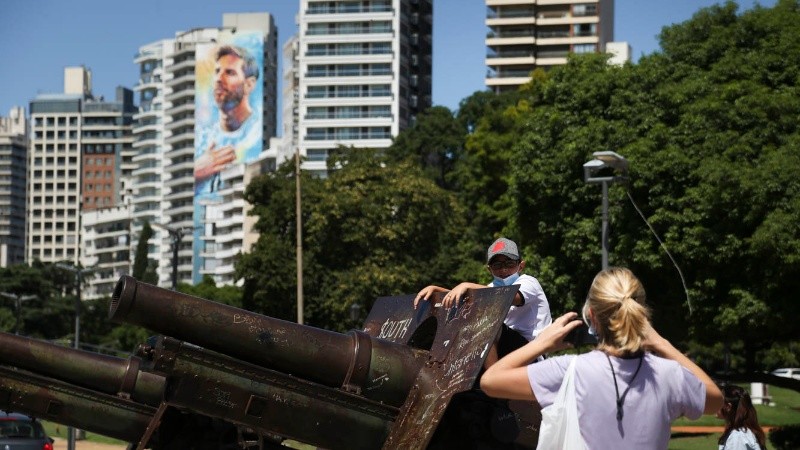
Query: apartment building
point(364, 73)
point(175, 115)
point(528, 34)
point(106, 250)
point(13, 154)
point(78, 148)
point(147, 177)
point(291, 95)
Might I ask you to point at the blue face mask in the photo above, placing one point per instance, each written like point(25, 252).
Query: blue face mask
point(507, 281)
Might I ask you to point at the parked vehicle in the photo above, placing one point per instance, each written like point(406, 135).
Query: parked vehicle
point(790, 372)
point(20, 432)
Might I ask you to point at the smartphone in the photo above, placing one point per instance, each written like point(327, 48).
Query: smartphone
point(580, 336)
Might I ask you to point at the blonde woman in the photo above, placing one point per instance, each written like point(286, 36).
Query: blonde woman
point(629, 389)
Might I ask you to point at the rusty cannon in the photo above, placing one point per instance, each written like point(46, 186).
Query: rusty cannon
point(105, 395)
point(98, 393)
point(393, 384)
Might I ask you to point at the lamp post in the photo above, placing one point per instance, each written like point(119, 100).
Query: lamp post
point(177, 235)
point(79, 272)
point(18, 299)
point(299, 236)
point(602, 169)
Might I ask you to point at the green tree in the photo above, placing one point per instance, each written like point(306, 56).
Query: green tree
point(23, 280)
point(144, 269)
point(372, 228)
point(709, 127)
point(482, 175)
point(269, 269)
point(208, 289)
point(435, 142)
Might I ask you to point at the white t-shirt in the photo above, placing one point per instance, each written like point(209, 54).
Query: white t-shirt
point(532, 316)
point(741, 439)
point(662, 391)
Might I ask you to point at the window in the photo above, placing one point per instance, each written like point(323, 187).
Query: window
point(589, 9)
point(585, 29)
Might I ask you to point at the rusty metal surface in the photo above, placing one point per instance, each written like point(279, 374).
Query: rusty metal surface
point(385, 386)
point(270, 402)
point(462, 339)
point(103, 373)
point(320, 356)
point(70, 405)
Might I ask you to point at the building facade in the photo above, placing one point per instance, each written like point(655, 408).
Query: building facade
point(77, 149)
point(147, 177)
point(106, 250)
point(528, 34)
point(174, 116)
point(13, 154)
point(364, 73)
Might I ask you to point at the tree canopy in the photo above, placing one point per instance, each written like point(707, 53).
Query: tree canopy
point(709, 126)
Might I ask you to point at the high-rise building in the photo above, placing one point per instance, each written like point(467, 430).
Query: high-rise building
point(147, 180)
point(106, 249)
point(13, 151)
point(178, 124)
point(77, 152)
point(527, 34)
point(364, 73)
point(291, 94)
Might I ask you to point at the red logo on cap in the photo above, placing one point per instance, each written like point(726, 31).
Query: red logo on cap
point(498, 246)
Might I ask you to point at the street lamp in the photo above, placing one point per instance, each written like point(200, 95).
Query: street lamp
point(79, 272)
point(177, 235)
point(355, 312)
point(602, 169)
point(18, 299)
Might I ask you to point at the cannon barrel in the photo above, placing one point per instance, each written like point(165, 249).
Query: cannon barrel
point(67, 404)
point(379, 369)
point(102, 373)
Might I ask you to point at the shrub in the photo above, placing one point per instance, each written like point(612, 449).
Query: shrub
point(786, 437)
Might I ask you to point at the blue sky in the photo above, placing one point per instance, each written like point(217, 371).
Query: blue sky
point(38, 38)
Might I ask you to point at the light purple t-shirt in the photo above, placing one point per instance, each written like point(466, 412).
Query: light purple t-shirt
point(661, 392)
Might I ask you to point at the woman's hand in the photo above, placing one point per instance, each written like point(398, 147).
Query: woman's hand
point(654, 342)
point(552, 337)
point(508, 378)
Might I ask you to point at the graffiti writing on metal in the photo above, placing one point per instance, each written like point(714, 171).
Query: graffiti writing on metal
point(223, 398)
point(394, 329)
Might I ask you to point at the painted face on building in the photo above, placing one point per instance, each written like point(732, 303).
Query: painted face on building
point(230, 83)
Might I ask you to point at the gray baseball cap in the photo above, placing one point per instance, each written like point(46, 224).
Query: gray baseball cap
point(502, 246)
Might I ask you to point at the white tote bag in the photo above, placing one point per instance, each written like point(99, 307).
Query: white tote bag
point(559, 429)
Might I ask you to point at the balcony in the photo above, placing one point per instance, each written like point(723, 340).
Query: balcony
point(348, 8)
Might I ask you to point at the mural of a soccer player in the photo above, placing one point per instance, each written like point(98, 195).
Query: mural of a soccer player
point(228, 124)
point(236, 134)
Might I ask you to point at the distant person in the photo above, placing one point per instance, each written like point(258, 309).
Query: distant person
point(238, 130)
point(629, 389)
point(742, 431)
point(530, 311)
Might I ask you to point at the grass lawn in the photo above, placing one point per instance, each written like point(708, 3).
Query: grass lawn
point(785, 410)
point(55, 430)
